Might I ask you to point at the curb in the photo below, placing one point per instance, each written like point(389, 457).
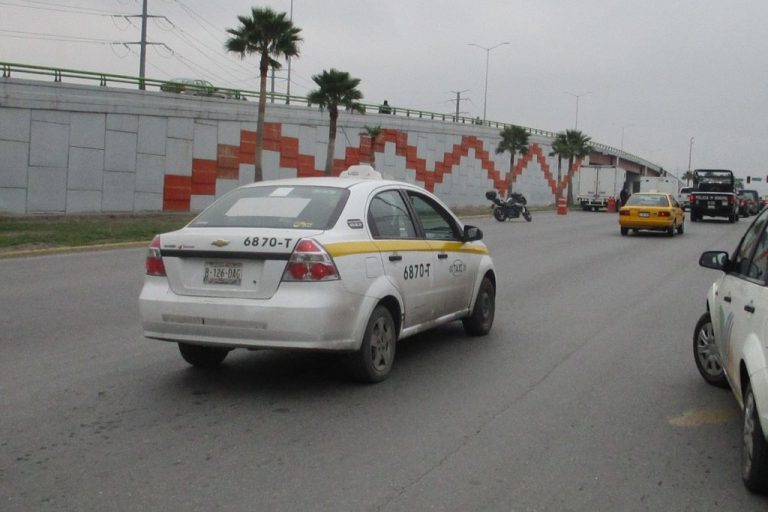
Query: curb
point(25, 253)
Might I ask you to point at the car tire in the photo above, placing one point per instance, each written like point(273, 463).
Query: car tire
point(624, 231)
point(754, 456)
point(671, 230)
point(480, 321)
point(201, 356)
point(681, 228)
point(732, 218)
point(705, 353)
point(373, 361)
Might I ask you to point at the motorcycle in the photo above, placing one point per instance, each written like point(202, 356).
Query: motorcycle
point(510, 208)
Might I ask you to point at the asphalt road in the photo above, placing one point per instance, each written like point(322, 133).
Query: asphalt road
point(584, 396)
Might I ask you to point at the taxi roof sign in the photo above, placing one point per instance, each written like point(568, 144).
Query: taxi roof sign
point(361, 171)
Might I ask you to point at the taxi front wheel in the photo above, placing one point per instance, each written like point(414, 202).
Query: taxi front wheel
point(373, 362)
point(480, 321)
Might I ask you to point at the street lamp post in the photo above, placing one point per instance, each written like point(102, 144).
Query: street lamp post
point(288, 87)
point(577, 96)
point(487, 58)
point(690, 152)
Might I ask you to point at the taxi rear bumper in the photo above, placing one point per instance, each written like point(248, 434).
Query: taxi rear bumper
point(310, 316)
point(654, 223)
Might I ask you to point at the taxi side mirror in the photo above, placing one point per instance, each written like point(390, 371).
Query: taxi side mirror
point(716, 260)
point(472, 233)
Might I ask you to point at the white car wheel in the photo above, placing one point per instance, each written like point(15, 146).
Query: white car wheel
point(754, 466)
point(705, 353)
point(373, 362)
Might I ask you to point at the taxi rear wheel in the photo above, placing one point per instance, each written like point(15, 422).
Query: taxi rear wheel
point(705, 353)
point(754, 457)
point(681, 228)
point(202, 356)
point(373, 362)
point(624, 231)
point(480, 321)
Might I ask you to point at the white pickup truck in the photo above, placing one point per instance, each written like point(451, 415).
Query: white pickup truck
point(683, 197)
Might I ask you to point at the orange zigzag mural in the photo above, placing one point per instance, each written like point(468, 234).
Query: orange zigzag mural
point(178, 190)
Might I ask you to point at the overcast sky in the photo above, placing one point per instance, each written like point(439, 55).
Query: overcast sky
point(657, 71)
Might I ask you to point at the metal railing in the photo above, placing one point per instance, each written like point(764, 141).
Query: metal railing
point(173, 86)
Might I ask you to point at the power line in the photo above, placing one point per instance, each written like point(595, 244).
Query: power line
point(54, 37)
point(45, 6)
point(200, 47)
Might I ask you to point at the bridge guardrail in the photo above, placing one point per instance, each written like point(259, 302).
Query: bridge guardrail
point(104, 79)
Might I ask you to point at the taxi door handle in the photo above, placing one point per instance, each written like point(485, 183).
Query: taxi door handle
point(749, 309)
point(395, 257)
point(727, 298)
point(442, 256)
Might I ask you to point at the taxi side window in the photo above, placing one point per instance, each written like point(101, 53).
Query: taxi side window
point(388, 216)
point(437, 223)
point(742, 261)
point(758, 270)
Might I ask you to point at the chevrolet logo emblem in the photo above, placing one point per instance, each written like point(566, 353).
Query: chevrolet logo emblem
point(220, 243)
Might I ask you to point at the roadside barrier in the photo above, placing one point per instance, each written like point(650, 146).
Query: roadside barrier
point(562, 206)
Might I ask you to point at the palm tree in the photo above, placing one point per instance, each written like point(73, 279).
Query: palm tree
point(515, 140)
point(559, 148)
point(335, 88)
point(688, 176)
point(267, 34)
point(373, 133)
point(578, 147)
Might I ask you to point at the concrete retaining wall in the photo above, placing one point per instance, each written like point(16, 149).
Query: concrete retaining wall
point(67, 148)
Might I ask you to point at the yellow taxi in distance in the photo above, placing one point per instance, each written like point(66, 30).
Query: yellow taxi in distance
point(654, 211)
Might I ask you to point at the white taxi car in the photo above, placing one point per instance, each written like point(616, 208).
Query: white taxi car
point(350, 264)
point(730, 341)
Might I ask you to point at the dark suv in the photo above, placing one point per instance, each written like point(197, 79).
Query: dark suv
point(749, 203)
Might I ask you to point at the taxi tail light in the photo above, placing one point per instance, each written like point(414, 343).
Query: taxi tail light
point(310, 262)
point(664, 214)
point(154, 264)
point(623, 212)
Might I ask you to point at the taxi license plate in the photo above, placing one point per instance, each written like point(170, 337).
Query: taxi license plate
point(223, 273)
point(645, 214)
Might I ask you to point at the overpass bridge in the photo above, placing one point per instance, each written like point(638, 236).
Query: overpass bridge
point(80, 142)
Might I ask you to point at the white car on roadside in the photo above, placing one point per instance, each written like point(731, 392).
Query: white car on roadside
point(730, 341)
point(349, 264)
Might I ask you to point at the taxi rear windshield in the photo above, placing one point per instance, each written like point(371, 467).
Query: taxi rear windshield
point(286, 207)
point(647, 200)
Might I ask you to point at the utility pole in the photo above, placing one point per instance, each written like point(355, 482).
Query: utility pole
point(143, 42)
point(143, 53)
point(458, 100)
